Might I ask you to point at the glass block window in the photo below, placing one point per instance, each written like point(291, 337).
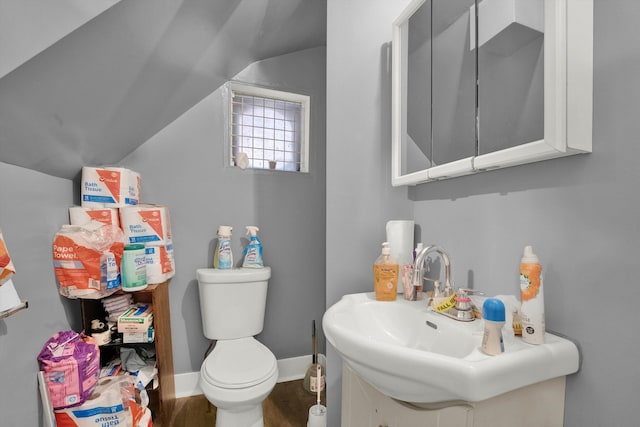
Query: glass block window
point(268, 129)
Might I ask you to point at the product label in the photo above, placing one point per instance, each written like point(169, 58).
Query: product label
point(103, 216)
point(134, 268)
point(529, 281)
point(224, 254)
point(385, 277)
point(313, 383)
point(111, 179)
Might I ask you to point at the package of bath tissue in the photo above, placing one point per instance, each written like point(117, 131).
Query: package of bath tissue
point(79, 215)
point(109, 187)
point(107, 406)
point(147, 224)
point(160, 263)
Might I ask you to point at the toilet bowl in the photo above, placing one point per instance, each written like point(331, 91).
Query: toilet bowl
point(236, 378)
point(240, 371)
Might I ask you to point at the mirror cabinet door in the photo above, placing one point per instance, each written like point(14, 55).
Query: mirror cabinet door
point(454, 81)
point(417, 91)
point(510, 74)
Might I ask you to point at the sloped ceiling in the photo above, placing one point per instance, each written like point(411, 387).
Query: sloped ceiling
point(99, 92)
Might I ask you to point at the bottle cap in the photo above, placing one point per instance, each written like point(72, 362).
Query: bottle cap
point(529, 257)
point(225, 230)
point(493, 309)
point(252, 229)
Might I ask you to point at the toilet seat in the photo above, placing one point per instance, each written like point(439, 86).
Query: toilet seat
point(239, 363)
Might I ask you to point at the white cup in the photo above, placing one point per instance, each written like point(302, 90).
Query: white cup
point(317, 416)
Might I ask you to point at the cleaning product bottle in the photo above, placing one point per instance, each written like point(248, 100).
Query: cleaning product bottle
point(223, 257)
point(532, 296)
point(493, 315)
point(385, 275)
point(253, 251)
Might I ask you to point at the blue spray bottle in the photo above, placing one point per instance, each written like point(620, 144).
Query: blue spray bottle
point(223, 257)
point(253, 251)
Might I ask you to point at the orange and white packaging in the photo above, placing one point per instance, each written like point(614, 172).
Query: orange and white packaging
point(79, 215)
point(147, 224)
point(160, 263)
point(6, 265)
point(77, 258)
point(109, 187)
point(107, 406)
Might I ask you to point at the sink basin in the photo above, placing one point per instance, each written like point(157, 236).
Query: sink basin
point(410, 353)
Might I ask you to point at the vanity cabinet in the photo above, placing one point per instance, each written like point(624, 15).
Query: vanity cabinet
point(162, 399)
point(540, 404)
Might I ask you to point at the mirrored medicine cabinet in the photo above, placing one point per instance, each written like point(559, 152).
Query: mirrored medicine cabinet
point(487, 84)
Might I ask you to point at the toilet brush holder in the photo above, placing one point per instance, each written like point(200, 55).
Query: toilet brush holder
point(317, 416)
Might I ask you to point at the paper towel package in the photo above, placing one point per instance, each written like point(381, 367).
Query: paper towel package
point(77, 259)
point(6, 265)
point(160, 263)
point(109, 187)
point(148, 224)
point(79, 215)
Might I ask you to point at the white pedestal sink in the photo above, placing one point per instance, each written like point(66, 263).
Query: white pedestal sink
point(409, 353)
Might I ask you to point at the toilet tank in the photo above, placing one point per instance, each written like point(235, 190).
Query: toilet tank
point(232, 302)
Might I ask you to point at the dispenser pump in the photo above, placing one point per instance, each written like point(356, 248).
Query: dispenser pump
point(386, 249)
point(252, 230)
point(528, 257)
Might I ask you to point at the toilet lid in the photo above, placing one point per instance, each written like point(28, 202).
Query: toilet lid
point(239, 363)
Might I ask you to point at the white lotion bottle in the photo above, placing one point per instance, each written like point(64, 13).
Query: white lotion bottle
point(493, 314)
point(532, 298)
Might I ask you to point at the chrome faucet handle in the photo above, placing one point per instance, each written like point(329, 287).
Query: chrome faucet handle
point(436, 285)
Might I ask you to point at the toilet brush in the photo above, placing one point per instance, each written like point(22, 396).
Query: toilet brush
point(318, 412)
point(314, 377)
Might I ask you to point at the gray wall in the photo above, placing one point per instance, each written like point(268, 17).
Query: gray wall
point(182, 167)
point(579, 213)
point(32, 207)
point(360, 199)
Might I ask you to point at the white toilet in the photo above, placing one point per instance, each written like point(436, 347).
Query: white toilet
point(240, 372)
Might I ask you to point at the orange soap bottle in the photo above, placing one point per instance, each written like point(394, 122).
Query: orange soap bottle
point(532, 295)
point(385, 275)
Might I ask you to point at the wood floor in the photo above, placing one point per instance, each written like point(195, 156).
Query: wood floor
point(287, 406)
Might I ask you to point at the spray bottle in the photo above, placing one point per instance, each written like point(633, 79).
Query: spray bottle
point(223, 257)
point(532, 296)
point(253, 251)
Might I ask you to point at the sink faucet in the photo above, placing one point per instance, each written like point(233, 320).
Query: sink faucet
point(449, 304)
point(418, 268)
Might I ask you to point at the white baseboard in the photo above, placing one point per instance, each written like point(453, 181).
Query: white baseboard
point(289, 369)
